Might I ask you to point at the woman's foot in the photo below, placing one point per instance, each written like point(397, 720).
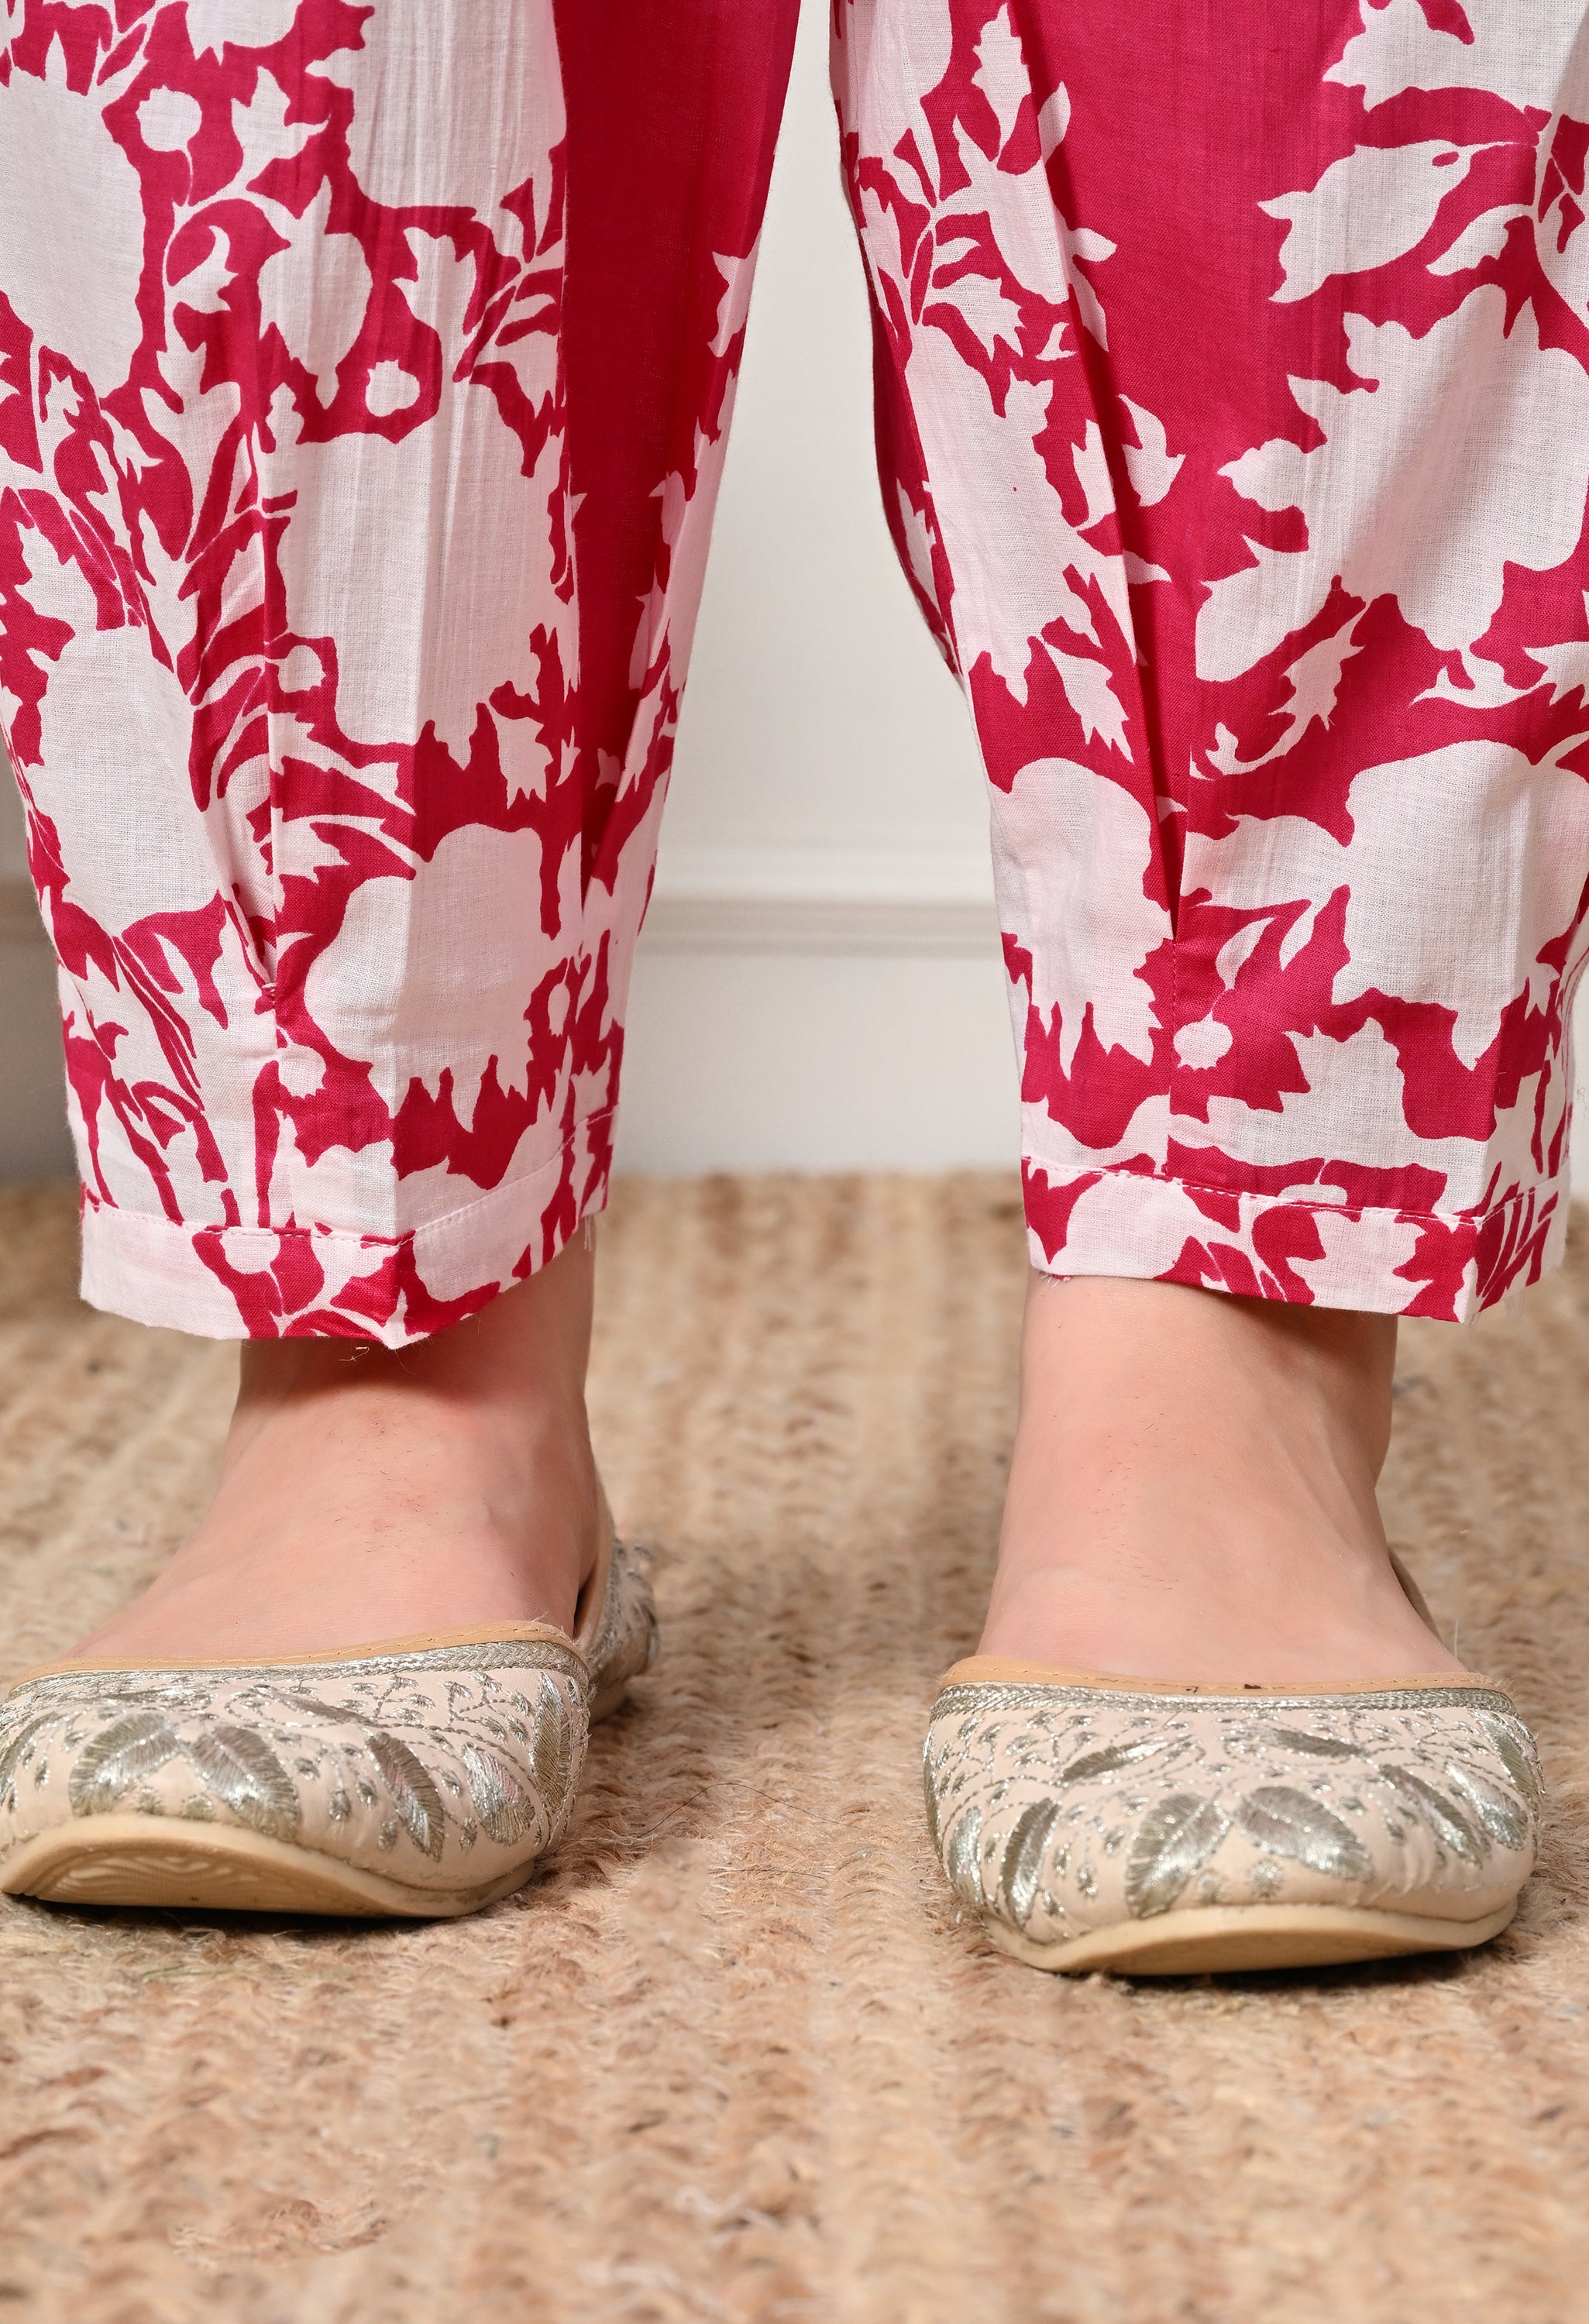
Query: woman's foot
point(1192, 1491)
point(367, 1493)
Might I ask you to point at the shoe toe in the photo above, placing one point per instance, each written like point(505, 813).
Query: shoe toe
point(437, 1774)
point(1062, 1811)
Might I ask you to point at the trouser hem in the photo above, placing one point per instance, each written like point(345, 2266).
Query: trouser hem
point(317, 1281)
point(1287, 1247)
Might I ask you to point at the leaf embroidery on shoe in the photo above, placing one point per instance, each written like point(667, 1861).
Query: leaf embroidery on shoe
point(961, 1859)
point(1290, 1823)
point(1443, 1816)
point(417, 1799)
point(310, 1707)
point(504, 1808)
point(239, 1766)
point(1517, 1762)
point(1503, 1817)
point(1023, 1858)
point(1297, 1739)
point(930, 1794)
point(552, 1755)
point(15, 1750)
point(1117, 1754)
point(117, 1759)
point(1175, 1838)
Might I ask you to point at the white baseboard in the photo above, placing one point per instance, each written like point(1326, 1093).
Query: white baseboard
point(816, 1059)
point(859, 902)
point(819, 1010)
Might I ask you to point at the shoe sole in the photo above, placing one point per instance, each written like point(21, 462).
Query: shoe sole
point(1218, 1937)
point(139, 1859)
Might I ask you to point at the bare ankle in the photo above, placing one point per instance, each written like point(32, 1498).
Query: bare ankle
point(367, 1492)
point(530, 1346)
point(1114, 1351)
point(1193, 1470)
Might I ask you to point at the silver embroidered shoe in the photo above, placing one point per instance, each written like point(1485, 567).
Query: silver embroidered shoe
point(1118, 1823)
point(422, 1776)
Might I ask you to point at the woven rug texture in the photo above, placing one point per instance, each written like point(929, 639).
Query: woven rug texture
point(736, 2056)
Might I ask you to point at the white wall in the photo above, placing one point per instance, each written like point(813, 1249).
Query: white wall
point(819, 713)
point(818, 985)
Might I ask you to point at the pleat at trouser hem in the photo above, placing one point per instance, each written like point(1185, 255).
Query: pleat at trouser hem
point(1382, 1262)
point(310, 1280)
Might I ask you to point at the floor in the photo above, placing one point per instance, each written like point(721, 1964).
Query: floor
point(737, 2057)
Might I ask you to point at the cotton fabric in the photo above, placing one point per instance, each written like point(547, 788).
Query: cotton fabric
point(365, 373)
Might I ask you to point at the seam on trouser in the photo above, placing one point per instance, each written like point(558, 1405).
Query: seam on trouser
point(1145, 1230)
point(147, 1269)
point(1294, 1198)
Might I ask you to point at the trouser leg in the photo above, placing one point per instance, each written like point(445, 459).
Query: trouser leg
point(363, 380)
point(1233, 399)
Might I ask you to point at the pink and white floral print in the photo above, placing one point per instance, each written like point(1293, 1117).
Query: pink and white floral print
point(1233, 384)
point(364, 376)
point(365, 369)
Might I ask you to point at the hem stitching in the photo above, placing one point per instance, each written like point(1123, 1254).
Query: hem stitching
point(1290, 1200)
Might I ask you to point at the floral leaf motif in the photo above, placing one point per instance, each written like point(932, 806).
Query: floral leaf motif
point(1174, 1839)
point(1297, 1739)
point(239, 1766)
point(1513, 1758)
point(1501, 1816)
point(930, 1793)
point(1443, 1817)
point(1290, 1823)
point(11, 1751)
point(504, 1808)
point(552, 1755)
point(1117, 1754)
point(962, 1859)
point(310, 1707)
point(416, 1800)
point(1023, 1858)
point(117, 1759)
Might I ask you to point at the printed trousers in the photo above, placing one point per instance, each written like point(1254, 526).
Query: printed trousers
point(365, 372)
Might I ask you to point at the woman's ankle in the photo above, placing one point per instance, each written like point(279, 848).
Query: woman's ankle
point(1192, 1479)
point(367, 1492)
point(525, 1354)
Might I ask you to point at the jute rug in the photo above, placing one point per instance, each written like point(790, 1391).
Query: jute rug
point(736, 2057)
